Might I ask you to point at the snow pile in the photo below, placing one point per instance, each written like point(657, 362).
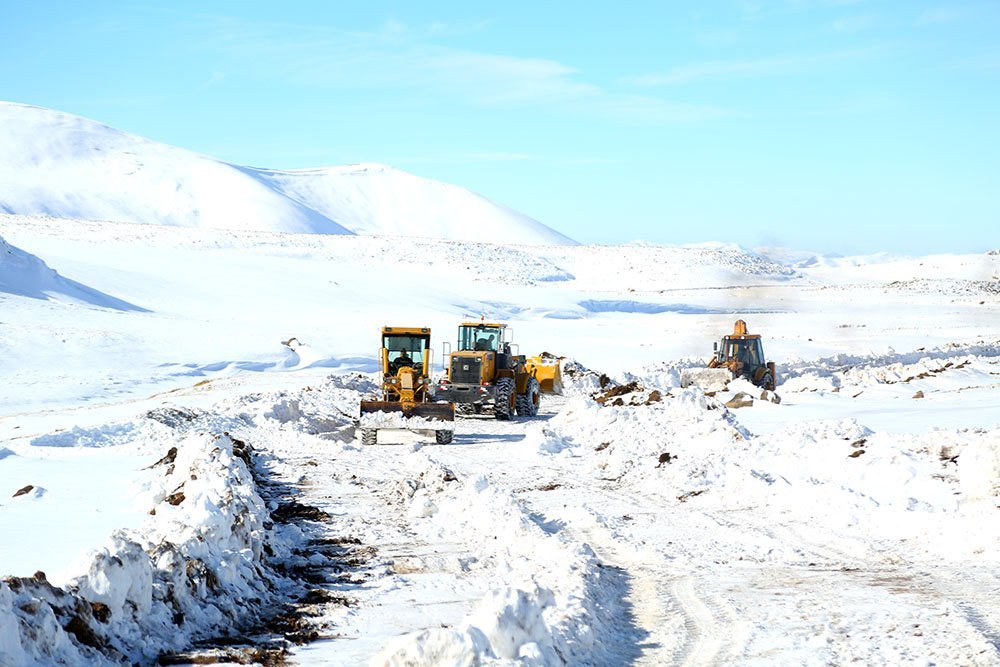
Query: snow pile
point(542, 607)
point(836, 473)
point(900, 372)
point(329, 409)
point(979, 468)
point(682, 441)
point(578, 380)
point(195, 569)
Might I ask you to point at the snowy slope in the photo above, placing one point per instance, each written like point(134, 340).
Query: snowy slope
point(24, 274)
point(374, 199)
point(57, 164)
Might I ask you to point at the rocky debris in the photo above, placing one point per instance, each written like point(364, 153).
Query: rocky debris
point(768, 395)
point(633, 391)
point(919, 394)
point(665, 457)
point(740, 400)
point(293, 510)
point(23, 490)
point(615, 391)
point(175, 498)
point(173, 417)
point(168, 459)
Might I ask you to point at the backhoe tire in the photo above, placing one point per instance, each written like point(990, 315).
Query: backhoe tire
point(443, 437)
point(369, 436)
point(505, 399)
point(528, 402)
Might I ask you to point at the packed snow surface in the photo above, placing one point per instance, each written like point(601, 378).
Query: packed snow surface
point(183, 478)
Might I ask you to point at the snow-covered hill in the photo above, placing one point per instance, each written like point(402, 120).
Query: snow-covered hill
point(24, 274)
point(65, 166)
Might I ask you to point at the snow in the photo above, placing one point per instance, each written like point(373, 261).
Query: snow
point(183, 400)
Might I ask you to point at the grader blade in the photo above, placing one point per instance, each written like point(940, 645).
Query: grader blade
point(431, 411)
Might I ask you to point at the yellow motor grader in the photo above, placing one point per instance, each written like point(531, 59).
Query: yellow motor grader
point(484, 375)
point(405, 363)
point(740, 355)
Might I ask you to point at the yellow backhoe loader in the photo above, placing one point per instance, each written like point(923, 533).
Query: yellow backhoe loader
point(405, 363)
point(740, 355)
point(484, 375)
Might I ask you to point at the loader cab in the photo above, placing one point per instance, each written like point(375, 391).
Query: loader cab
point(482, 337)
point(483, 352)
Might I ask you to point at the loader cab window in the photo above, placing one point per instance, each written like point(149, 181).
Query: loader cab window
point(480, 338)
point(402, 348)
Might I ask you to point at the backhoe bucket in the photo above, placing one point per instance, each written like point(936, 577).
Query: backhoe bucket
point(431, 411)
point(546, 371)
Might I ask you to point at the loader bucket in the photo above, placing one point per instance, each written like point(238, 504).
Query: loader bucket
point(546, 371)
point(432, 411)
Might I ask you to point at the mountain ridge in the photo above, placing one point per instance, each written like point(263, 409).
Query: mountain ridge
point(61, 165)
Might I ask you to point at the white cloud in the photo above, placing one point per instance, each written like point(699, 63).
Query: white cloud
point(725, 69)
point(939, 15)
point(855, 23)
point(396, 58)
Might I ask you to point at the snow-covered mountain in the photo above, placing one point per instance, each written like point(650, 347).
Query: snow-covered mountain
point(65, 166)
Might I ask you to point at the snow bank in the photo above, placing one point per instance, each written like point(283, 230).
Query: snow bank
point(829, 373)
point(195, 569)
point(542, 607)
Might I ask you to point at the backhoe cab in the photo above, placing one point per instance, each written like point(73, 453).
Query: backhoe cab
point(405, 363)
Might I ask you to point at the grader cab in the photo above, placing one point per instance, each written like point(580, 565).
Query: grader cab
point(405, 364)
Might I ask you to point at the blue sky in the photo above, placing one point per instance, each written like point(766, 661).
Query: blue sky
point(845, 126)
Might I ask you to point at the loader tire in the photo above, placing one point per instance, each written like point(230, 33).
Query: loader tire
point(443, 437)
point(505, 399)
point(528, 402)
point(369, 436)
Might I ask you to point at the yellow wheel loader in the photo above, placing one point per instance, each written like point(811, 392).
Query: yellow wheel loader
point(405, 363)
point(484, 375)
point(740, 355)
